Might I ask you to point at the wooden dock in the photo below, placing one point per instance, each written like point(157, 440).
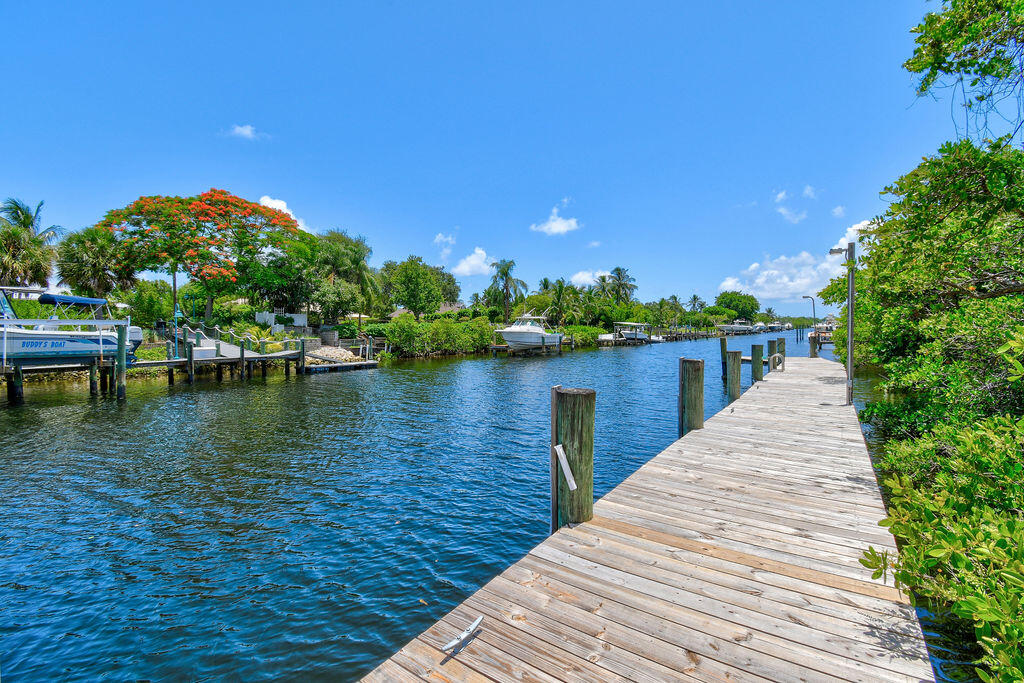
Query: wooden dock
point(731, 555)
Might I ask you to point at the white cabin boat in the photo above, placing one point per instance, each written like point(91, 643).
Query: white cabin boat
point(527, 332)
point(738, 326)
point(80, 331)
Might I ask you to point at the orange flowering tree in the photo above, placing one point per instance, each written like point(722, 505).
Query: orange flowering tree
point(204, 236)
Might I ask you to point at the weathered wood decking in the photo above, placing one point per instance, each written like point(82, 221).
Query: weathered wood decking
point(730, 555)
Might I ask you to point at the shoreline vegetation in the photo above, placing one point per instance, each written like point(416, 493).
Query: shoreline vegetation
point(940, 313)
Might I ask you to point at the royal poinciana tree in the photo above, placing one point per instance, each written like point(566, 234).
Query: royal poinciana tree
point(204, 236)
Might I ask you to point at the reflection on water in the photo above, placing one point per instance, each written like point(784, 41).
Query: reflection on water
point(308, 527)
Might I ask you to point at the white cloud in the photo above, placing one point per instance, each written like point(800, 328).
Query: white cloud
point(781, 196)
point(445, 242)
point(593, 244)
point(788, 278)
point(587, 277)
point(839, 211)
point(810, 192)
point(282, 205)
point(791, 216)
point(477, 263)
point(555, 224)
point(247, 132)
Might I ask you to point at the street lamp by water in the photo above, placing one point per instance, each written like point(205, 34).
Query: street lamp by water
point(814, 316)
point(850, 262)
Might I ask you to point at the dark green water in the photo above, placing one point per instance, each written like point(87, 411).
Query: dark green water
point(303, 528)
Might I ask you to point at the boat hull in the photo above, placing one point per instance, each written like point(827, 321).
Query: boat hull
point(24, 347)
point(530, 340)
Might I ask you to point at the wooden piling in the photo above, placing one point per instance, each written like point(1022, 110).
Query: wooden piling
point(724, 349)
point(94, 388)
point(220, 372)
point(574, 412)
point(263, 369)
point(691, 395)
point(733, 360)
point(302, 357)
point(812, 339)
point(190, 362)
point(103, 380)
point(170, 350)
point(15, 387)
point(773, 348)
point(170, 375)
point(782, 346)
point(122, 362)
point(757, 362)
point(241, 360)
point(287, 368)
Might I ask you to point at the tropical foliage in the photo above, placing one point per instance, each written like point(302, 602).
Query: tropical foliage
point(940, 310)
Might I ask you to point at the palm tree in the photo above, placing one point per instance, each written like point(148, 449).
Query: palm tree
point(544, 286)
point(604, 286)
point(561, 294)
point(359, 272)
point(475, 300)
point(770, 312)
point(332, 259)
point(20, 214)
point(90, 262)
point(622, 284)
point(25, 258)
point(695, 303)
point(510, 287)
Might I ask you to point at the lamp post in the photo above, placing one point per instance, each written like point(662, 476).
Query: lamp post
point(814, 316)
point(850, 263)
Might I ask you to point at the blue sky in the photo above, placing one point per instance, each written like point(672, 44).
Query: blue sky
point(683, 141)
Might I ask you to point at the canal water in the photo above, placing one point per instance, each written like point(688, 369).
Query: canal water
point(302, 528)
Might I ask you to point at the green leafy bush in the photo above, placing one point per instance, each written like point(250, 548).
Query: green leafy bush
point(584, 335)
point(346, 330)
point(956, 502)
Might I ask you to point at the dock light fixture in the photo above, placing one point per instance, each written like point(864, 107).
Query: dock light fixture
point(851, 256)
point(814, 316)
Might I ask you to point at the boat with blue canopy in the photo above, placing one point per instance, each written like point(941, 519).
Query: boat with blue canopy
point(80, 330)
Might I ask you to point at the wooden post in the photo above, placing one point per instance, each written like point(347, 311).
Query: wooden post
point(94, 389)
point(231, 370)
point(170, 350)
point(216, 349)
point(122, 362)
point(733, 360)
point(190, 361)
point(302, 357)
point(757, 362)
point(220, 371)
point(574, 431)
point(691, 395)
point(263, 346)
point(103, 380)
point(722, 343)
point(553, 467)
point(170, 375)
point(241, 360)
point(287, 368)
point(773, 348)
point(812, 339)
point(16, 387)
point(263, 369)
point(782, 346)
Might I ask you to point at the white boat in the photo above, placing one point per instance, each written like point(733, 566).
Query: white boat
point(634, 331)
point(527, 332)
point(760, 327)
point(736, 326)
point(69, 339)
point(775, 326)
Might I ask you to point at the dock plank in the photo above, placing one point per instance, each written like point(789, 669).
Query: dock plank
point(731, 555)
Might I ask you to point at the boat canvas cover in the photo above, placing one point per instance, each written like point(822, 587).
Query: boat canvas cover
point(68, 300)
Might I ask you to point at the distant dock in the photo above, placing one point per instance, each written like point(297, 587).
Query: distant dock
point(731, 555)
